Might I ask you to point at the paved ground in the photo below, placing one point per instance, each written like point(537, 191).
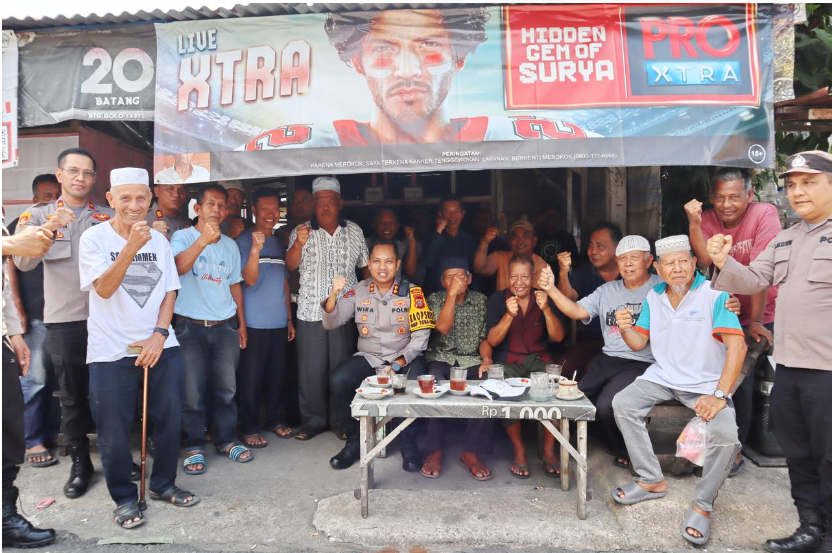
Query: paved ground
point(288, 499)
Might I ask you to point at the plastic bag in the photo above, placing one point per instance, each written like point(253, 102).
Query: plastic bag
point(692, 443)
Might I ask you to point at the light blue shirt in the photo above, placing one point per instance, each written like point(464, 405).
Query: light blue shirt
point(206, 288)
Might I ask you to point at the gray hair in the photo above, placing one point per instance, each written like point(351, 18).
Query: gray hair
point(727, 174)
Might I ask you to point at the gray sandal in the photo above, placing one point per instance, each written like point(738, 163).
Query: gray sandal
point(701, 524)
point(633, 493)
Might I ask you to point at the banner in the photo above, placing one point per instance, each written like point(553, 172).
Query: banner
point(9, 129)
point(465, 88)
point(90, 74)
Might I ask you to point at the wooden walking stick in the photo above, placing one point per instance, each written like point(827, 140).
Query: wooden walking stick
point(142, 502)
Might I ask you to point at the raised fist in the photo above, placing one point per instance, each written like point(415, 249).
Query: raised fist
point(303, 234)
point(625, 319)
point(719, 246)
point(565, 261)
point(338, 285)
point(546, 281)
point(139, 235)
point(490, 234)
point(29, 242)
point(61, 218)
point(410, 234)
point(457, 286)
point(257, 241)
point(210, 234)
point(693, 209)
point(441, 223)
point(542, 299)
point(512, 306)
point(160, 226)
point(236, 226)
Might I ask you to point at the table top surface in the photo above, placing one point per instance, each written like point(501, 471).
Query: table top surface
point(466, 407)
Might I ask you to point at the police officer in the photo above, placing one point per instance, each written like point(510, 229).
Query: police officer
point(383, 307)
point(166, 215)
point(65, 305)
point(799, 261)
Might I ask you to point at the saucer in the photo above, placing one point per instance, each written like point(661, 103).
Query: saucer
point(518, 382)
point(374, 393)
point(570, 398)
point(373, 381)
point(438, 391)
point(464, 392)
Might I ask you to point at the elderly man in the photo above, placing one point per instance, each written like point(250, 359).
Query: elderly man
point(210, 327)
point(799, 261)
point(699, 349)
point(752, 226)
point(234, 224)
point(394, 331)
point(166, 214)
point(385, 227)
point(182, 171)
point(324, 248)
point(519, 330)
point(521, 240)
point(459, 341)
point(131, 276)
point(65, 305)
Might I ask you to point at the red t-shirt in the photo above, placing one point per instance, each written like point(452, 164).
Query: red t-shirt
point(760, 224)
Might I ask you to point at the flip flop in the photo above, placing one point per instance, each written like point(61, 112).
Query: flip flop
point(247, 437)
point(426, 475)
point(617, 461)
point(701, 524)
point(520, 468)
point(736, 468)
point(633, 493)
point(470, 469)
point(236, 452)
point(306, 433)
point(279, 427)
point(51, 460)
point(554, 473)
point(195, 459)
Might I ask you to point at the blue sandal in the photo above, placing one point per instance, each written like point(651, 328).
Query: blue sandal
point(195, 459)
point(236, 452)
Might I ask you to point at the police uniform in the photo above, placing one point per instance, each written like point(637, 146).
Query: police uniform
point(799, 261)
point(174, 223)
point(65, 314)
point(390, 325)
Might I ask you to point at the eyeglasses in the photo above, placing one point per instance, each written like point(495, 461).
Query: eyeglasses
point(73, 172)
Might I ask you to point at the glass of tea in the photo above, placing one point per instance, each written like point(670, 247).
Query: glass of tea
point(426, 382)
point(458, 378)
point(383, 375)
point(399, 383)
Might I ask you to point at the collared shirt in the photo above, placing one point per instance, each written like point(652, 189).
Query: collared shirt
point(442, 247)
point(527, 334)
point(174, 223)
point(585, 280)
point(799, 261)
point(687, 341)
point(64, 302)
point(323, 258)
point(170, 176)
point(501, 260)
point(265, 302)
point(384, 332)
point(462, 344)
point(402, 246)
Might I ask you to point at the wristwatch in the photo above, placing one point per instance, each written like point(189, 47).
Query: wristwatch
point(719, 394)
point(163, 331)
point(396, 366)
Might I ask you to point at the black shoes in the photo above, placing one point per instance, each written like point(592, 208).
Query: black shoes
point(80, 473)
point(411, 458)
point(17, 531)
point(346, 457)
point(806, 539)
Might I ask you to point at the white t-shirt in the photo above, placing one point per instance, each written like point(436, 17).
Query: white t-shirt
point(170, 176)
point(131, 313)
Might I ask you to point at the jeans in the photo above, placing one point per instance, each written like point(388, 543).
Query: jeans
point(42, 411)
point(210, 354)
point(115, 388)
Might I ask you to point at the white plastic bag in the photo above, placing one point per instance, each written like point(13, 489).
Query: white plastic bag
point(692, 443)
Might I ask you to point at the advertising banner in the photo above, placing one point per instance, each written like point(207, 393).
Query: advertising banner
point(90, 74)
point(9, 129)
point(465, 88)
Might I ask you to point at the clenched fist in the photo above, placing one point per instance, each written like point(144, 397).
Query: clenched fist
point(338, 285)
point(160, 226)
point(719, 246)
point(542, 299)
point(512, 307)
point(546, 281)
point(258, 239)
point(441, 223)
point(625, 319)
point(61, 218)
point(457, 286)
point(210, 234)
point(29, 242)
point(693, 209)
point(564, 262)
point(410, 234)
point(236, 226)
point(303, 234)
point(139, 235)
point(490, 234)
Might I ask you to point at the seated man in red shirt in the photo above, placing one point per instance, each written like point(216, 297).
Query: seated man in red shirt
point(515, 324)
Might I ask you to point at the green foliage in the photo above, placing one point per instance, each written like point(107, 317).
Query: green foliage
point(813, 50)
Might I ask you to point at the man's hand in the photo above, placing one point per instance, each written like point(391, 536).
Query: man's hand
point(546, 282)
point(484, 366)
point(242, 332)
point(732, 304)
point(258, 239)
point(210, 234)
point(564, 262)
point(291, 331)
point(61, 218)
point(160, 226)
point(410, 234)
point(719, 246)
point(152, 349)
point(29, 242)
point(236, 226)
point(490, 234)
point(441, 223)
point(457, 286)
point(338, 285)
point(707, 407)
point(139, 236)
point(693, 209)
point(542, 299)
point(512, 306)
point(303, 234)
point(757, 331)
point(21, 351)
point(625, 319)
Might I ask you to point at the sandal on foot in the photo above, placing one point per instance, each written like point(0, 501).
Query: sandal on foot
point(551, 470)
point(428, 475)
point(176, 496)
point(128, 512)
point(520, 468)
point(48, 460)
point(248, 437)
point(281, 428)
point(195, 459)
point(236, 452)
point(736, 468)
point(622, 461)
point(478, 465)
point(633, 493)
point(306, 433)
point(698, 522)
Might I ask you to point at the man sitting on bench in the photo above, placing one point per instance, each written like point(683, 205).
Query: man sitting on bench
point(699, 349)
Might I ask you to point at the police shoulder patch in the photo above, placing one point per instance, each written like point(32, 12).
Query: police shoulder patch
point(101, 216)
point(420, 315)
point(349, 293)
point(24, 218)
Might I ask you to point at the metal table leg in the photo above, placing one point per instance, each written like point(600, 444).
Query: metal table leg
point(564, 456)
point(581, 474)
point(367, 439)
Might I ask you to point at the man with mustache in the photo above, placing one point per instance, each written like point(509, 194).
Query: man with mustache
point(166, 213)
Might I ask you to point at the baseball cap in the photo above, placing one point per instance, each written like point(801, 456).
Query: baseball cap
point(632, 243)
point(228, 184)
point(128, 175)
point(813, 161)
point(672, 244)
point(521, 223)
point(326, 183)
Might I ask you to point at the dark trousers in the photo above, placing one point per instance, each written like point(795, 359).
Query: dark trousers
point(801, 410)
point(13, 442)
point(319, 352)
point(605, 377)
point(744, 395)
point(478, 433)
point(67, 345)
point(42, 412)
point(210, 354)
point(115, 388)
point(348, 376)
point(262, 374)
point(579, 357)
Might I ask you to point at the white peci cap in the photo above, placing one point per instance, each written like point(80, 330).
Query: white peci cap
point(672, 244)
point(129, 175)
point(632, 243)
point(326, 183)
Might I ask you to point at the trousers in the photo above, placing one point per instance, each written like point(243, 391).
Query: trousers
point(42, 411)
point(262, 375)
point(744, 395)
point(13, 442)
point(67, 346)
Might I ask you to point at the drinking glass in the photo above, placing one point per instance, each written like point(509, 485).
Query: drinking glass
point(458, 378)
point(426, 382)
point(399, 383)
point(542, 387)
point(495, 372)
point(383, 375)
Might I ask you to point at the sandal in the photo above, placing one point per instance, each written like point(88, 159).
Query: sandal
point(128, 512)
point(48, 460)
point(698, 522)
point(551, 470)
point(306, 433)
point(176, 496)
point(633, 493)
point(736, 468)
point(247, 438)
point(195, 459)
point(282, 428)
point(475, 466)
point(622, 460)
point(236, 452)
point(521, 469)
point(434, 464)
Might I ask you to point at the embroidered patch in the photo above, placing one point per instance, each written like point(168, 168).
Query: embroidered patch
point(366, 302)
point(350, 293)
point(59, 235)
point(400, 303)
point(101, 216)
point(402, 330)
point(365, 331)
point(363, 318)
point(420, 316)
point(159, 214)
point(401, 318)
point(24, 218)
